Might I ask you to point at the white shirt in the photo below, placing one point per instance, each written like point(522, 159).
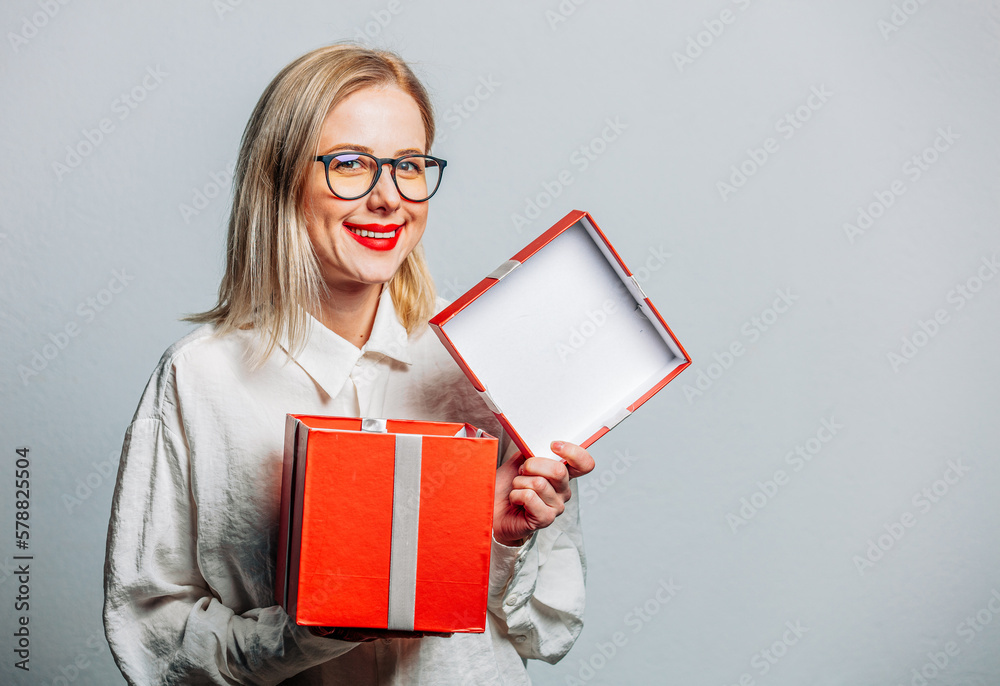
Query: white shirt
point(192, 540)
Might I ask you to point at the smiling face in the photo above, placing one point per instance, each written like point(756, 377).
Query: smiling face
point(384, 122)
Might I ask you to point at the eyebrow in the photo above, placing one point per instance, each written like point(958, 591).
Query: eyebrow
point(365, 148)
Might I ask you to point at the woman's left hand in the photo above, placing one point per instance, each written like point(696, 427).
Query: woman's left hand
point(531, 492)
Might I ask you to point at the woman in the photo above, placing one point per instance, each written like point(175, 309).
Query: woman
point(322, 310)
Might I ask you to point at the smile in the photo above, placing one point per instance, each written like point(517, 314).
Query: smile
point(375, 236)
point(371, 234)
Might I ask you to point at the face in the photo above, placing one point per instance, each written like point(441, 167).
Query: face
point(384, 122)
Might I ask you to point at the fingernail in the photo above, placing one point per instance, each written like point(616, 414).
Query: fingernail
point(556, 446)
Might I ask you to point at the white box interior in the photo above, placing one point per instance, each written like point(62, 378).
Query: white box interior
point(552, 356)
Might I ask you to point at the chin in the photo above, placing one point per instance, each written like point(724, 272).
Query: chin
point(378, 279)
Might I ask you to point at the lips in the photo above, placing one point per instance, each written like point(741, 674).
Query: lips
point(375, 236)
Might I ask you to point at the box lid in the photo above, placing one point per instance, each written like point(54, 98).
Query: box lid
point(560, 340)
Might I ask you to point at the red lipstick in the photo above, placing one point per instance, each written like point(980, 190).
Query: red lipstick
point(381, 240)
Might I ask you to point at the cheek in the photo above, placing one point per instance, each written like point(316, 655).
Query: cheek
point(418, 216)
point(324, 214)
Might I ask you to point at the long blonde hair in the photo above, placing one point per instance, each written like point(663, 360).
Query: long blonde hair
point(272, 274)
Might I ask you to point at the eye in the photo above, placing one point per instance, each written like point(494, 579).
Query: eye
point(345, 163)
point(411, 166)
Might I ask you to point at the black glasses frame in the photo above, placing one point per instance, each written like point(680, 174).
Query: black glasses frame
point(381, 161)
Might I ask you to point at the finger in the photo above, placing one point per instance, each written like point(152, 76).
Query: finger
point(393, 633)
point(536, 512)
point(554, 470)
point(544, 489)
point(578, 461)
point(362, 635)
point(341, 634)
point(541, 488)
point(556, 473)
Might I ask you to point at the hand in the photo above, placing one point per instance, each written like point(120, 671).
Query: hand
point(365, 635)
point(531, 492)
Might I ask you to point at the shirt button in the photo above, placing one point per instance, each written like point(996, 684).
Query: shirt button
point(521, 639)
point(512, 601)
point(386, 641)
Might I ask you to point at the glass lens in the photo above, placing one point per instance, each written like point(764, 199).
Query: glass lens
point(417, 177)
point(351, 174)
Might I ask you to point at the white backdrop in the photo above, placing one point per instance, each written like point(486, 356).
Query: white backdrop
point(808, 191)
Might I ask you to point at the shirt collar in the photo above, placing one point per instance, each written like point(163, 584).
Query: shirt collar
point(329, 359)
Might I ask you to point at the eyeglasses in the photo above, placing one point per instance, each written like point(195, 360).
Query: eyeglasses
point(352, 175)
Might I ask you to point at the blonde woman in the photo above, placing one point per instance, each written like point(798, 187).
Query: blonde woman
point(322, 310)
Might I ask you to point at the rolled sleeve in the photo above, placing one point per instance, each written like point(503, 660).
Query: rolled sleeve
point(537, 590)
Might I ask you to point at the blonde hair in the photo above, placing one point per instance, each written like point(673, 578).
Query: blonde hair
point(272, 274)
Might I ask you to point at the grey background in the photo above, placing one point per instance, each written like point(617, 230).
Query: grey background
point(655, 511)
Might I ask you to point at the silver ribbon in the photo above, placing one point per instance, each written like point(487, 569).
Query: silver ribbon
point(373, 424)
point(405, 528)
point(503, 270)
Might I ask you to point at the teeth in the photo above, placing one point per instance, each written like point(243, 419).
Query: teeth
point(371, 234)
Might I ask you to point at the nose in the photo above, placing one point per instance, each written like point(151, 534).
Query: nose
point(385, 196)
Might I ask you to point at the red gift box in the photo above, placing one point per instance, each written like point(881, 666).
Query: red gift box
point(560, 340)
point(385, 524)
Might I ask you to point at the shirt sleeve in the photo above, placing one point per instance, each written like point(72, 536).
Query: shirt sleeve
point(163, 622)
point(537, 590)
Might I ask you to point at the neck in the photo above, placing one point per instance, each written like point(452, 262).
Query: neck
point(350, 313)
